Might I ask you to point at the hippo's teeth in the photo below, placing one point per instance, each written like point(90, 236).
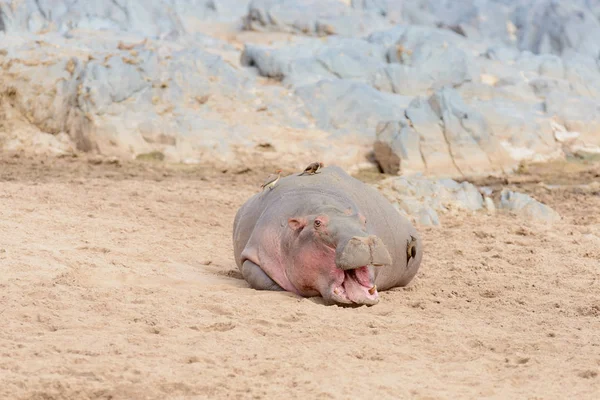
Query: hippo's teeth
point(377, 265)
point(373, 289)
point(336, 291)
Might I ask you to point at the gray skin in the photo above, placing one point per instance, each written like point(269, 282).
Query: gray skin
point(326, 235)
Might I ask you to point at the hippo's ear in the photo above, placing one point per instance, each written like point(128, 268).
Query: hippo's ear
point(297, 224)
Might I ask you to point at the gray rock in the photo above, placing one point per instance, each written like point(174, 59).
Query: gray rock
point(452, 138)
point(489, 205)
point(424, 59)
point(518, 123)
point(577, 114)
point(433, 145)
point(397, 147)
point(349, 108)
point(413, 37)
point(470, 143)
point(477, 20)
point(526, 207)
point(387, 37)
point(314, 60)
point(585, 151)
point(311, 17)
point(421, 199)
point(125, 98)
point(503, 54)
point(150, 18)
point(442, 87)
point(420, 61)
point(583, 74)
point(392, 10)
point(415, 193)
point(428, 217)
point(551, 26)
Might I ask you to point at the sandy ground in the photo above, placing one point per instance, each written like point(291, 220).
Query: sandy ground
point(118, 281)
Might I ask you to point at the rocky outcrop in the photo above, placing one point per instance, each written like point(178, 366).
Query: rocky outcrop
point(527, 207)
point(311, 17)
point(440, 88)
point(469, 107)
point(121, 95)
point(422, 199)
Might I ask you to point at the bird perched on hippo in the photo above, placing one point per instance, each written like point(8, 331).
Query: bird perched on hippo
point(312, 168)
point(271, 180)
point(331, 235)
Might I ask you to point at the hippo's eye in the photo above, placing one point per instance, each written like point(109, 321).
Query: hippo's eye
point(317, 223)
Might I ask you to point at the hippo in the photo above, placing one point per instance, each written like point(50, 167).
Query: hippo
point(327, 235)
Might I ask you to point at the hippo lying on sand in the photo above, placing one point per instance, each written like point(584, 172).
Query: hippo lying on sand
point(326, 234)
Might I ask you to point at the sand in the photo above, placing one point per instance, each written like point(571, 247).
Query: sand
point(118, 281)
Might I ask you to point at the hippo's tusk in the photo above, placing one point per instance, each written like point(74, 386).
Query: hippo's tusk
point(373, 290)
point(377, 265)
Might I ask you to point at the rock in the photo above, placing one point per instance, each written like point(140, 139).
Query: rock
point(526, 207)
point(428, 217)
point(350, 108)
point(434, 147)
point(471, 143)
point(424, 59)
point(149, 18)
point(522, 128)
point(576, 114)
point(420, 60)
point(122, 95)
point(489, 205)
point(392, 10)
point(422, 198)
point(445, 88)
point(585, 151)
point(484, 19)
point(311, 17)
point(396, 148)
point(583, 74)
point(510, 124)
point(442, 136)
point(387, 37)
point(550, 26)
point(313, 60)
point(106, 99)
point(503, 54)
point(36, 142)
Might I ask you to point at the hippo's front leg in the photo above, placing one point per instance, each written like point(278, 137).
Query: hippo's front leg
point(257, 278)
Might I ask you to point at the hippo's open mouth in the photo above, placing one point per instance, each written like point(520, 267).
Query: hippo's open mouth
point(357, 287)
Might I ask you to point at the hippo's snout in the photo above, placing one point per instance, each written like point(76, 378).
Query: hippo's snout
point(361, 251)
point(379, 253)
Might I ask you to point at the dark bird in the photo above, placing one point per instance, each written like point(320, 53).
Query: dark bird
point(312, 168)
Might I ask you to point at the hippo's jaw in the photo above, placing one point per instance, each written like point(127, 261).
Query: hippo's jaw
point(354, 286)
point(355, 259)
